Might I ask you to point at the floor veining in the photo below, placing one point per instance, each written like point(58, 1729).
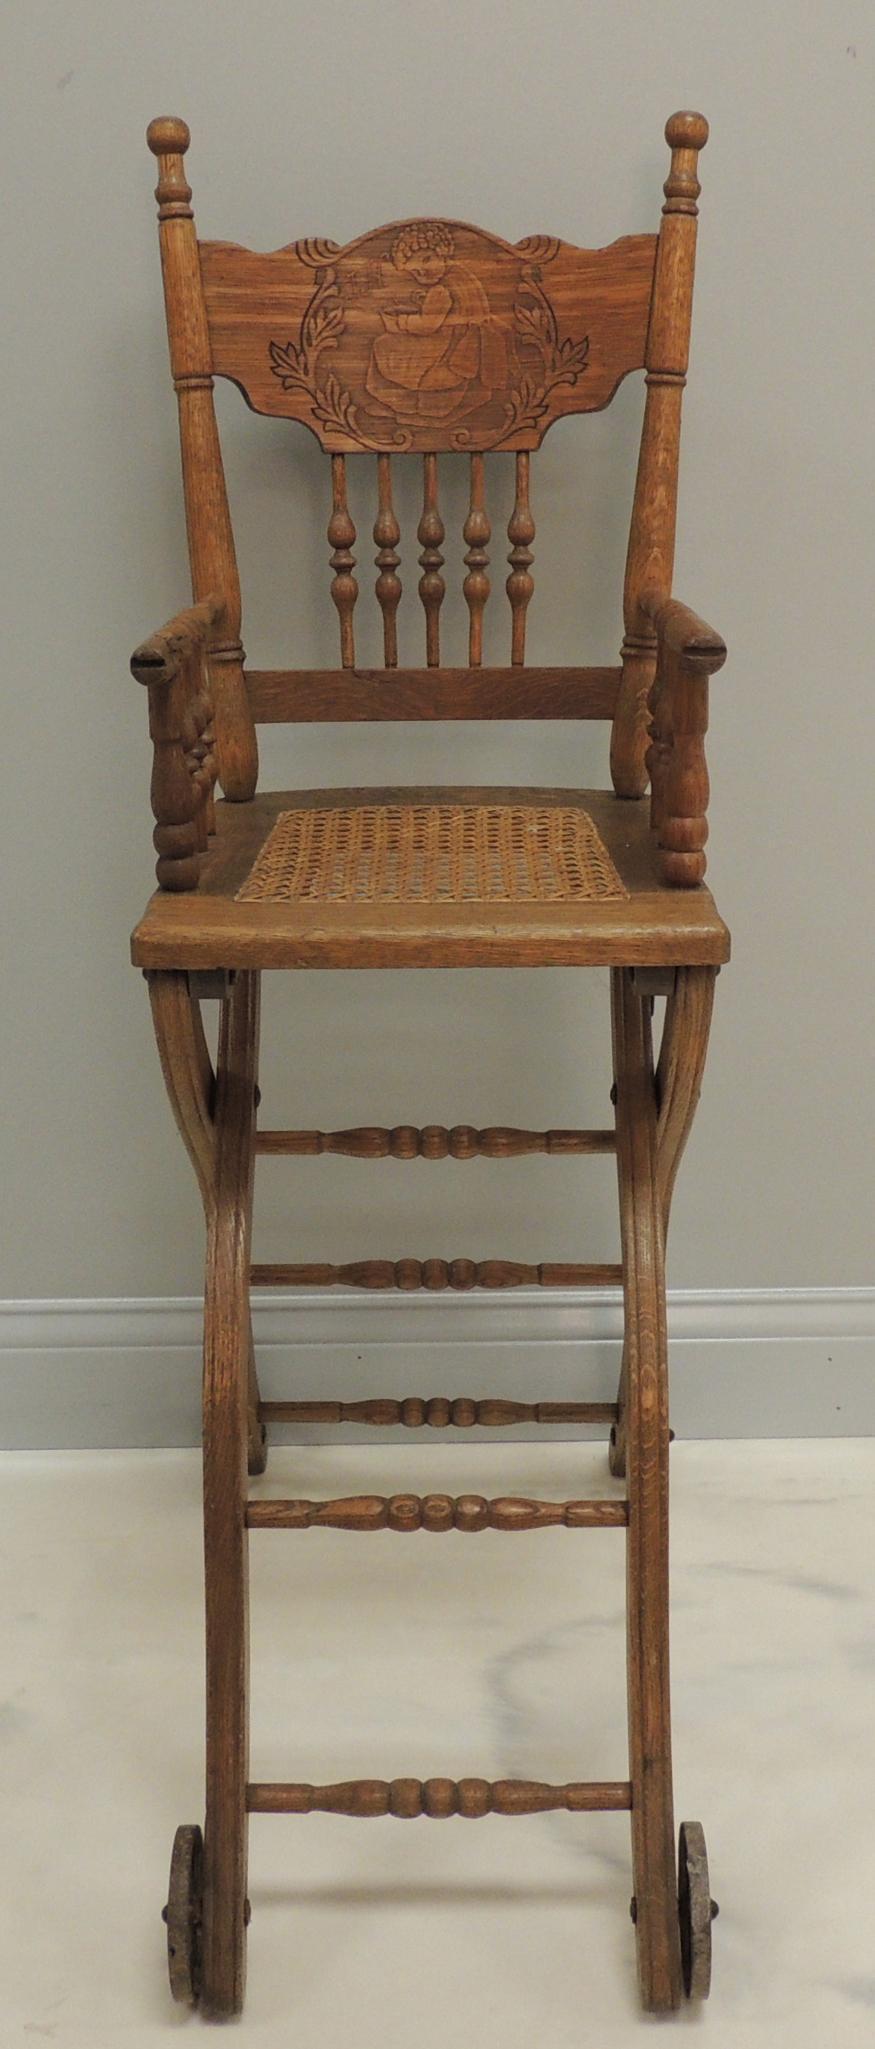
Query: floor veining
point(499, 1655)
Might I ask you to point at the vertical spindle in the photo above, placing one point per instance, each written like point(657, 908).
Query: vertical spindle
point(341, 535)
point(387, 534)
point(430, 534)
point(520, 583)
point(476, 532)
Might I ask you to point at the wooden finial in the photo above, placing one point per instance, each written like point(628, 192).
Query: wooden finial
point(686, 131)
point(167, 135)
point(168, 139)
point(685, 134)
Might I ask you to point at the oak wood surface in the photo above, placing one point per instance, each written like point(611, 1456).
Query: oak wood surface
point(428, 335)
point(434, 1142)
point(437, 1274)
point(687, 653)
point(436, 336)
point(650, 553)
point(207, 929)
point(476, 535)
point(302, 696)
point(433, 337)
point(646, 1399)
point(172, 664)
point(212, 554)
point(192, 1088)
point(679, 1071)
point(439, 1412)
point(387, 534)
point(225, 1399)
point(406, 1513)
point(365, 1799)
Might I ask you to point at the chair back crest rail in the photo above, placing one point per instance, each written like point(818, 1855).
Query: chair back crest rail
point(426, 338)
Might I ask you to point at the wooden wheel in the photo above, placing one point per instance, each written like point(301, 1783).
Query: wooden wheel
point(696, 1910)
point(183, 1915)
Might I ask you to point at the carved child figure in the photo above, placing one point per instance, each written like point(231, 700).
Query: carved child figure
point(443, 354)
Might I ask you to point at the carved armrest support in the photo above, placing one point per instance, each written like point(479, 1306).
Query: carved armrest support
point(172, 665)
point(688, 652)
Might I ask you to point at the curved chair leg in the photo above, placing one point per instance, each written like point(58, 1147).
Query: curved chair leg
point(216, 1117)
point(679, 1071)
point(226, 1380)
point(645, 1362)
point(188, 1072)
point(191, 1086)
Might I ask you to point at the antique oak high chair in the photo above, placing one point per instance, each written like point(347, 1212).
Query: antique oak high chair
point(430, 337)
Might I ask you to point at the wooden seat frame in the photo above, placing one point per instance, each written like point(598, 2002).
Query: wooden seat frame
point(228, 313)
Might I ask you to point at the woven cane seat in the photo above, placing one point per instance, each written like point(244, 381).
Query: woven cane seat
point(434, 853)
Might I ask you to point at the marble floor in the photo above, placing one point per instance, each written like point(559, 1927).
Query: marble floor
point(495, 1655)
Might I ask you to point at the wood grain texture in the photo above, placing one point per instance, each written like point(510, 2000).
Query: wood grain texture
point(520, 583)
point(365, 1799)
point(430, 535)
point(650, 556)
point(476, 535)
point(436, 1275)
point(208, 522)
point(406, 1513)
point(652, 925)
point(440, 1412)
point(387, 535)
point(163, 656)
point(428, 335)
point(225, 1399)
point(434, 1142)
point(302, 696)
point(172, 665)
point(680, 1067)
point(188, 1073)
point(646, 1402)
point(687, 653)
point(191, 1087)
point(341, 538)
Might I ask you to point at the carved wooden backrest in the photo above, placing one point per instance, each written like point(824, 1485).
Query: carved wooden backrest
point(429, 336)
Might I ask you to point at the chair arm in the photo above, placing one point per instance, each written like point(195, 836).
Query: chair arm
point(682, 633)
point(160, 658)
point(687, 653)
point(171, 664)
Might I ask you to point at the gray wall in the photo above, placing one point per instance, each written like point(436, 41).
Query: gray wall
point(330, 121)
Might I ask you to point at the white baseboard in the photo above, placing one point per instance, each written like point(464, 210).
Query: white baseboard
point(776, 1362)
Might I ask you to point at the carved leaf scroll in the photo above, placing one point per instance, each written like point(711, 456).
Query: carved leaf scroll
point(551, 360)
